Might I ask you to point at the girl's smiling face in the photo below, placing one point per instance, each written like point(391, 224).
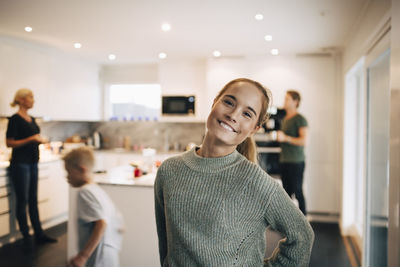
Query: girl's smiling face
point(235, 114)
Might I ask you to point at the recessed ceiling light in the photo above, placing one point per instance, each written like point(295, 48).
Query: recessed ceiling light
point(111, 57)
point(268, 38)
point(166, 27)
point(162, 55)
point(77, 45)
point(275, 52)
point(259, 17)
point(28, 29)
point(216, 53)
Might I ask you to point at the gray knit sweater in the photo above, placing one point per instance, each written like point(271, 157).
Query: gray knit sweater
point(214, 212)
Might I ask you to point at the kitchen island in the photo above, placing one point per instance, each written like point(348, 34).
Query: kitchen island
point(134, 197)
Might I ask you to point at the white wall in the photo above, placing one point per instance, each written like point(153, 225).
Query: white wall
point(65, 87)
point(316, 79)
point(362, 37)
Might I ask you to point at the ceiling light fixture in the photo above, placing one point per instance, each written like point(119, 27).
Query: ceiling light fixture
point(274, 52)
point(259, 17)
point(162, 55)
point(28, 29)
point(268, 38)
point(77, 45)
point(216, 53)
point(166, 27)
point(111, 57)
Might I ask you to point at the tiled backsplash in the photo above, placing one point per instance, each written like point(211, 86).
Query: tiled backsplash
point(162, 136)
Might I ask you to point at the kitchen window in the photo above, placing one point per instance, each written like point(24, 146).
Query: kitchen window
point(133, 102)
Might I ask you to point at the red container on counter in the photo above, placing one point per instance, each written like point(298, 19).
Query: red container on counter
point(137, 172)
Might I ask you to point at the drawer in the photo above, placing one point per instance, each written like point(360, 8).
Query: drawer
point(4, 224)
point(3, 181)
point(5, 190)
point(45, 188)
point(45, 211)
point(4, 204)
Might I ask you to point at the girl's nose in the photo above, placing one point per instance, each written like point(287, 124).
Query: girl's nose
point(233, 115)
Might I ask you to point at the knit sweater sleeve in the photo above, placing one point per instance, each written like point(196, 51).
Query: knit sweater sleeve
point(286, 218)
point(160, 215)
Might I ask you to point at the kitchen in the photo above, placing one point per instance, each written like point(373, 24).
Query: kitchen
point(72, 86)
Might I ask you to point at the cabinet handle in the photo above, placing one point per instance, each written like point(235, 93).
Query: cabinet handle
point(43, 201)
point(44, 177)
point(4, 212)
point(4, 196)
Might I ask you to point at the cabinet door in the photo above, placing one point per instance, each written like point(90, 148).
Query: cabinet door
point(4, 204)
point(66, 91)
point(53, 190)
point(4, 224)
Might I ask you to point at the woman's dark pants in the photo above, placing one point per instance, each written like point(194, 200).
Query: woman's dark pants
point(24, 177)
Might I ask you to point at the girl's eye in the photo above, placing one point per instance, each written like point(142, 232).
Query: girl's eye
point(247, 114)
point(228, 102)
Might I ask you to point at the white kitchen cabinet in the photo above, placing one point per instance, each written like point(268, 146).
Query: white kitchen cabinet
point(53, 193)
point(52, 199)
point(65, 88)
point(4, 224)
point(4, 204)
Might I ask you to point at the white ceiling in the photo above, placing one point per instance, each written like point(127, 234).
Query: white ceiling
point(131, 29)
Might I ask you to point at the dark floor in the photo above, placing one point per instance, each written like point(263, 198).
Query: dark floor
point(328, 250)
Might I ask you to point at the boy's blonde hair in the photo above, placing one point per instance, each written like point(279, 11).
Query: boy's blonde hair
point(82, 156)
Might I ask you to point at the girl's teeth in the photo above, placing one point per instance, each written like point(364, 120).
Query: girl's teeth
point(226, 126)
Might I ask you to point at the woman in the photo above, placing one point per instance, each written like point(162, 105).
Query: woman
point(292, 136)
point(213, 203)
point(24, 138)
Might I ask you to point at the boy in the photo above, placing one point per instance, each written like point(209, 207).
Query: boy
point(99, 222)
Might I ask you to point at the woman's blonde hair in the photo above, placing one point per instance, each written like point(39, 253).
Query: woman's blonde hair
point(248, 147)
point(82, 156)
point(20, 94)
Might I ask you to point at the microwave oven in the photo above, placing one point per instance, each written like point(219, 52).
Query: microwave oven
point(178, 105)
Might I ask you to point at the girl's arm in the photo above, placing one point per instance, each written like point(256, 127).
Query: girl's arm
point(160, 217)
point(285, 217)
point(94, 240)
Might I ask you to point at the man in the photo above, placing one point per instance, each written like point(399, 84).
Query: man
point(292, 137)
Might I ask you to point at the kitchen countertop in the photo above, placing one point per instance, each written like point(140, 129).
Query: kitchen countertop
point(123, 175)
point(43, 159)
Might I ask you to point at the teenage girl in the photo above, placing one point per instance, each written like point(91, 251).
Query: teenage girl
point(214, 203)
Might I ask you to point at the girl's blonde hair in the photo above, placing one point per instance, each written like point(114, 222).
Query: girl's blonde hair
point(20, 94)
point(248, 147)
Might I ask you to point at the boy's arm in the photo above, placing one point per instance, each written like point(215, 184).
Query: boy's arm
point(94, 240)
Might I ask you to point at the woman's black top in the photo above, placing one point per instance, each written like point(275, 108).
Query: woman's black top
point(18, 128)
